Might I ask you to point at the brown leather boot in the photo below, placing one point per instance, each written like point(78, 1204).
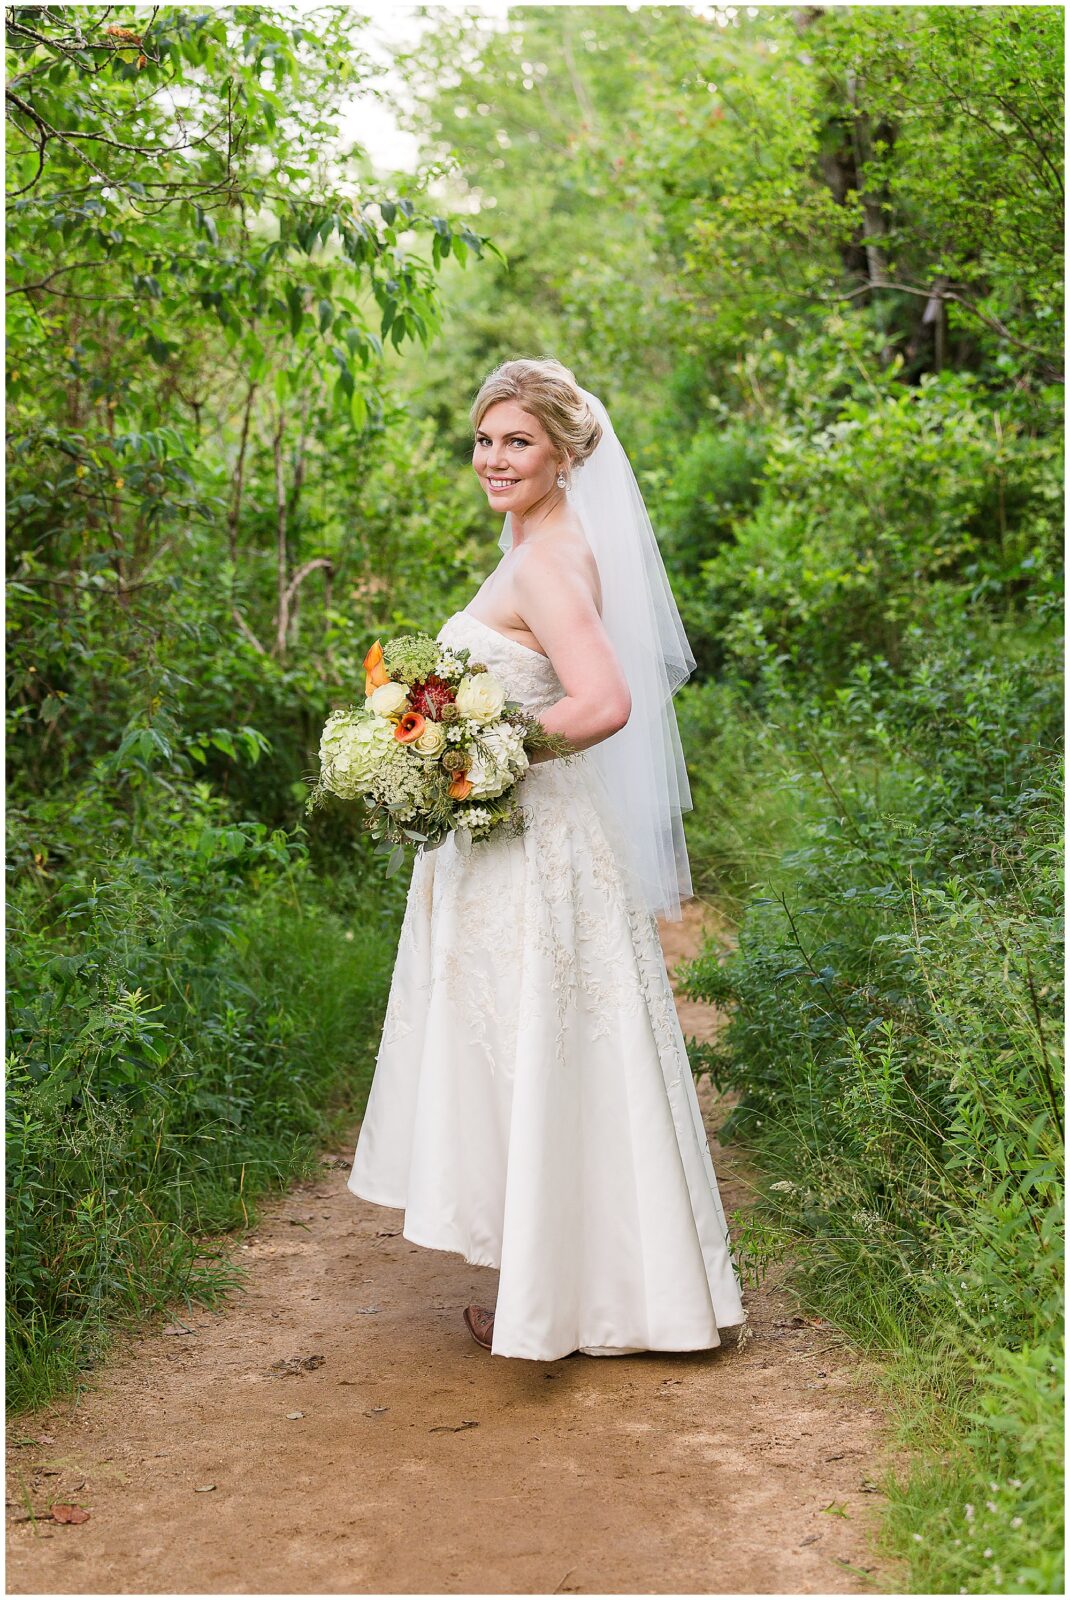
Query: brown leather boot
point(480, 1323)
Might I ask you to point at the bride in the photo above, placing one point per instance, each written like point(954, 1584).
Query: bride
point(533, 1107)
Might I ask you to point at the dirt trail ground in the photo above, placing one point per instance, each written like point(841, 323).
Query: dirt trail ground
point(417, 1463)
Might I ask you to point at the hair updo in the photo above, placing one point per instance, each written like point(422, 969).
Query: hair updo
point(548, 391)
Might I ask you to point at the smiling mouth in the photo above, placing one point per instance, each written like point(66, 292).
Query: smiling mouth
point(502, 483)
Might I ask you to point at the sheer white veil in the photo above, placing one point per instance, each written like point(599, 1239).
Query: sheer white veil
point(644, 778)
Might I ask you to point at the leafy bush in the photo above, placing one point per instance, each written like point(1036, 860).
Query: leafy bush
point(183, 1014)
point(896, 997)
point(908, 500)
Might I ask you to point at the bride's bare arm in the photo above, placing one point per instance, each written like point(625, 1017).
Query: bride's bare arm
point(556, 603)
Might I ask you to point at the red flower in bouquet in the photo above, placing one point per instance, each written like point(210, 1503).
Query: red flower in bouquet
point(429, 696)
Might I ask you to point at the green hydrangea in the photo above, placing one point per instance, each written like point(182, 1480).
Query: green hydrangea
point(411, 656)
point(353, 746)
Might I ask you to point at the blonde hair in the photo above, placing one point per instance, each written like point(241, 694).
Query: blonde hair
point(548, 390)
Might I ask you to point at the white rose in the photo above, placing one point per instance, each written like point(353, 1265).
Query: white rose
point(431, 741)
point(480, 696)
point(388, 699)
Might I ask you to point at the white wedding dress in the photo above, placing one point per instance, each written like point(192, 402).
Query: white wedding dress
point(533, 1107)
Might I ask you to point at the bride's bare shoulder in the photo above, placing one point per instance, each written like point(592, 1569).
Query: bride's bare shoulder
point(564, 550)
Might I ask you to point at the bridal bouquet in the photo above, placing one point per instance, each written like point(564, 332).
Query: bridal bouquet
point(436, 748)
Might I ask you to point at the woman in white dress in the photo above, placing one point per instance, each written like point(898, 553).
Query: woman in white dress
point(533, 1107)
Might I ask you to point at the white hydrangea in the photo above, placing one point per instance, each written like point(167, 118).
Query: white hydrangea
point(510, 742)
point(495, 768)
point(499, 762)
point(353, 747)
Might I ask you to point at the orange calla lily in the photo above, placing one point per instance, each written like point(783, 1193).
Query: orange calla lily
point(409, 727)
point(460, 787)
point(375, 674)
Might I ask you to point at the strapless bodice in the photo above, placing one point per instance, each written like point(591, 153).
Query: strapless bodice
point(527, 674)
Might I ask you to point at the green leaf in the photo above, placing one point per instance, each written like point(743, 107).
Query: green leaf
point(294, 300)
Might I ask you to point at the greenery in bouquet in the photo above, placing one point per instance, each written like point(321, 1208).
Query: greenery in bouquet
point(436, 748)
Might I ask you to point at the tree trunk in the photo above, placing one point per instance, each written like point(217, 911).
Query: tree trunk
point(876, 264)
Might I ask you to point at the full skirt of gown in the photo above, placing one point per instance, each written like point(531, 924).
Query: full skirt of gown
point(533, 1107)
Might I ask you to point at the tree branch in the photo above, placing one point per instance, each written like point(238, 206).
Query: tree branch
point(949, 294)
point(303, 572)
point(246, 631)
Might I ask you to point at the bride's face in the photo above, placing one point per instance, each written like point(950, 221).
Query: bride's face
point(513, 457)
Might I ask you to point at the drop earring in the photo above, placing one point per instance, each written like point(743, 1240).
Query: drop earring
point(561, 480)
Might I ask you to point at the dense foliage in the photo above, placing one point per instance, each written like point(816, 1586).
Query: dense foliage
point(200, 431)
point(894, 998)
point(812, 260)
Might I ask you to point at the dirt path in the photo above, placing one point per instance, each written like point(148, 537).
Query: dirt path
point(416, 1463)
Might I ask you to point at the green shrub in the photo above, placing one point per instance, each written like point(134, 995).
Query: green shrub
point(895, 999)
point(188, 1019)
point(909, 501)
